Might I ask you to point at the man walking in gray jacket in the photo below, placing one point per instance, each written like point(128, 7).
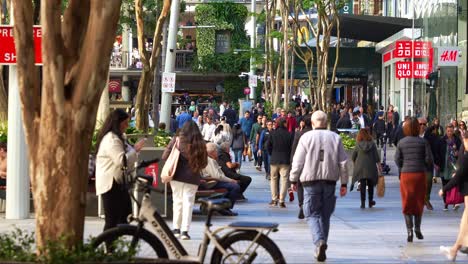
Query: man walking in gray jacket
point(318, 155)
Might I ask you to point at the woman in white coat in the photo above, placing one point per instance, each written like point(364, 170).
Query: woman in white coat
point(112, 150)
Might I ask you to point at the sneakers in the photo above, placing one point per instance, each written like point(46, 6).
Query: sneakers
point(258, 168)
point(291, 195)
point(446, 207)
point(185, 236)
point(447, 253)
point(371, 204)
point(282, 205)
point(320, 251)
point(176, 233)
point(455, 207)
point(273, 203)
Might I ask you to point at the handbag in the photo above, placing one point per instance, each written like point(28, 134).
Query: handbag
point(454, 196)
point(381, 186)
point(169, 168)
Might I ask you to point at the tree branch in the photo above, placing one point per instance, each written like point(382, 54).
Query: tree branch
point(141, 34)
point(28, 76)
point(157, 33)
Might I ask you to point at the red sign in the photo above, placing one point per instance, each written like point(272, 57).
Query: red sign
point(387, 56)
point(114, 86)
point(7, 46)
point(405, 49)
point(405, 69)
point(152, 170)
point(246, 90)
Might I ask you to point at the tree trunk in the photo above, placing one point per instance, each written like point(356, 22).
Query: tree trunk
point(284, 13)
point(59, 119)
point(149, 64)
point(3, 98)
point(104, 106)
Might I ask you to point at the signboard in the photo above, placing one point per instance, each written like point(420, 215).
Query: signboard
point(223, 41)
point(347, 7)
point(252, 80)
point(115, 86)
point(7, 46)
point(405, 49)
point(168, 82)
point(448, 56)
point(405, 69)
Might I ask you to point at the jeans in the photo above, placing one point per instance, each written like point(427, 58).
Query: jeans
point(238, 155)
point(233, 189)
point(254, 152)
point(266, 161)
point(319, 204)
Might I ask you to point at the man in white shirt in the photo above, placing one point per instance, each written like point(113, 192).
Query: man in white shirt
point(214, 172)
point(208, 129)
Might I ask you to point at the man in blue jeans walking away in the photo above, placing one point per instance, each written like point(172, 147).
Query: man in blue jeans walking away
point(318, 155)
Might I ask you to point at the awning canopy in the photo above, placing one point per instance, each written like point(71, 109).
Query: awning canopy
point(370, 28)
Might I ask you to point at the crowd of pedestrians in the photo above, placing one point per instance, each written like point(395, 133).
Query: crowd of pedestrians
point(298, 152)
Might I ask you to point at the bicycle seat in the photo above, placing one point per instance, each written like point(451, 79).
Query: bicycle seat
point(216, 204)
point(265, 225)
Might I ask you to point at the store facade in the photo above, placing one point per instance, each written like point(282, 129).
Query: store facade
point(430, 80)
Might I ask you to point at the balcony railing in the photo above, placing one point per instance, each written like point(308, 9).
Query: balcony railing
point(124, 60)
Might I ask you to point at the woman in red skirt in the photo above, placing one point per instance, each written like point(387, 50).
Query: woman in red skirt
point(413, 157)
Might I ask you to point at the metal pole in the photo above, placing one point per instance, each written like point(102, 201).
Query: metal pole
point(17, 192)
point(166, 99)
point(412, 61)
point(253, 46)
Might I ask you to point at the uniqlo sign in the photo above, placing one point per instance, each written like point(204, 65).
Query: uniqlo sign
point(7, 45)
point(448, 56)
point(405, 49)
point(407, 69)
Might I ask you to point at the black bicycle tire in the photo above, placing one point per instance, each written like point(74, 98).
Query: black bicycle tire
point(263, 240)
point(130, 230)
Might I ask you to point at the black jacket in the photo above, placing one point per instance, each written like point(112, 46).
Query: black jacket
point(344, 122)
point(298, 136)
point(379, 126)
point(443, 149)
point(435, 143)
point(231, 116)
point(279, 146)
point(461, 176)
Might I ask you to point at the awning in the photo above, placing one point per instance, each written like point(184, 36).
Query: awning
point(370, 28)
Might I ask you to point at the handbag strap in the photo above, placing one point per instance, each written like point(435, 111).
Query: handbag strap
point(124, 167)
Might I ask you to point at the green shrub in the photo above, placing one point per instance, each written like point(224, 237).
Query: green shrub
point(348, 142)
point(19, 246)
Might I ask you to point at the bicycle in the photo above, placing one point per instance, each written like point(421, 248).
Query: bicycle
point(244, 242)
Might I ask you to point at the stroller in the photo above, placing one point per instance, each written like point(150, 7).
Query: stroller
point(385, 167)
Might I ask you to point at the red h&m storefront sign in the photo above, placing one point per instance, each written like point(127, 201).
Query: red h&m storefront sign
point(406, 69)
point(413, 50)
point(7, 45)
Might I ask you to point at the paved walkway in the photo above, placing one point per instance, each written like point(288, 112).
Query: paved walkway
point(376, 235)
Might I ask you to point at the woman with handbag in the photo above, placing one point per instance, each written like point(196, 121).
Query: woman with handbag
point(114, 155)
point(192, 160)
point(366, 159)
point(413, 157)
point(450, 144)
point(460, 180)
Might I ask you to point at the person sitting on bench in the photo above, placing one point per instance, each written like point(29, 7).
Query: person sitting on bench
point(229, 168)
point(3, 163)
point(214, 172)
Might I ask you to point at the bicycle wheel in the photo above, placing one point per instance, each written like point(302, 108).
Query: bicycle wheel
point(123, 238)
point(264, 250)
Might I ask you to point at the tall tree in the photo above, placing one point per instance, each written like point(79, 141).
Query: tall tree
point(59, 116)
point(321, 27)
point(149, 62)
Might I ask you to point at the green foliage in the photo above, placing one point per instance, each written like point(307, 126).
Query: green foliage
point(162, 139)
point(268, 108)
point(234, 88)
point(19, 246)
point(3, 132)
point(348, 142)
point(223, 16)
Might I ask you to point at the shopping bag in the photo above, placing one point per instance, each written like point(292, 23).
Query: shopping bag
point(454, 196)
point(152, 170)
point(249, 152)
point(170, 166)
point(381, 186)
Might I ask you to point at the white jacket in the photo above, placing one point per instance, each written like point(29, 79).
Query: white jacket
point(213, 170)
point(109, 161)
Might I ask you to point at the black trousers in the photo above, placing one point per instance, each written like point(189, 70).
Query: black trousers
point(244, 181)
point(367, 183)
point(117, 206)
point(444, 182)
point(300, 193)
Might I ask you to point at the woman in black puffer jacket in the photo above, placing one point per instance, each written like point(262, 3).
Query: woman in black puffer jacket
point(461, 180)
